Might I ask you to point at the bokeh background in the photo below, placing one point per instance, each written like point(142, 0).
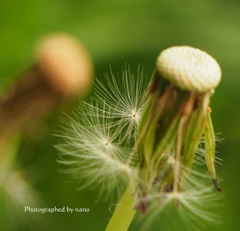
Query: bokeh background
point(116, 33)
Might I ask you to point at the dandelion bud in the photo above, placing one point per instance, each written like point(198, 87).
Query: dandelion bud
point(62, 70)
point(189, 68)
point(65, 64)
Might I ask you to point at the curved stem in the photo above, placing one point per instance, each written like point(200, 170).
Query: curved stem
point(123, 213)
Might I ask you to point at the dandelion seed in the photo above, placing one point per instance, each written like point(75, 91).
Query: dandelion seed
point(124, 97)
point(94, 152)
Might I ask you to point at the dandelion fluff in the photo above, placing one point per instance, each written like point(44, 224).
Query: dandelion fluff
point(97, 142)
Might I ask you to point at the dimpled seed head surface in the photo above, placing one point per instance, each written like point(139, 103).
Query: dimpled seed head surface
point(189, 68)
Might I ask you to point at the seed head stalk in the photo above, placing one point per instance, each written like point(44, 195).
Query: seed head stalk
point(123, 213)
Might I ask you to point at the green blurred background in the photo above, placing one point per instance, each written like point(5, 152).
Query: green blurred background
point(115, 33)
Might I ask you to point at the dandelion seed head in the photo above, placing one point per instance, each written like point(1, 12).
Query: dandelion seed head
point(189, 68)
point(105, 148)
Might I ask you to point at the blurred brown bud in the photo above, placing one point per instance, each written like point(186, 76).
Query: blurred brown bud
point(65, 64)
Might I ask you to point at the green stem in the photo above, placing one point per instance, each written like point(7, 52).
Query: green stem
point(123, 213)
point(8, 149)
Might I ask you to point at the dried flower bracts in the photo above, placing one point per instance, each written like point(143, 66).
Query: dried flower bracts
point(176, 118)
